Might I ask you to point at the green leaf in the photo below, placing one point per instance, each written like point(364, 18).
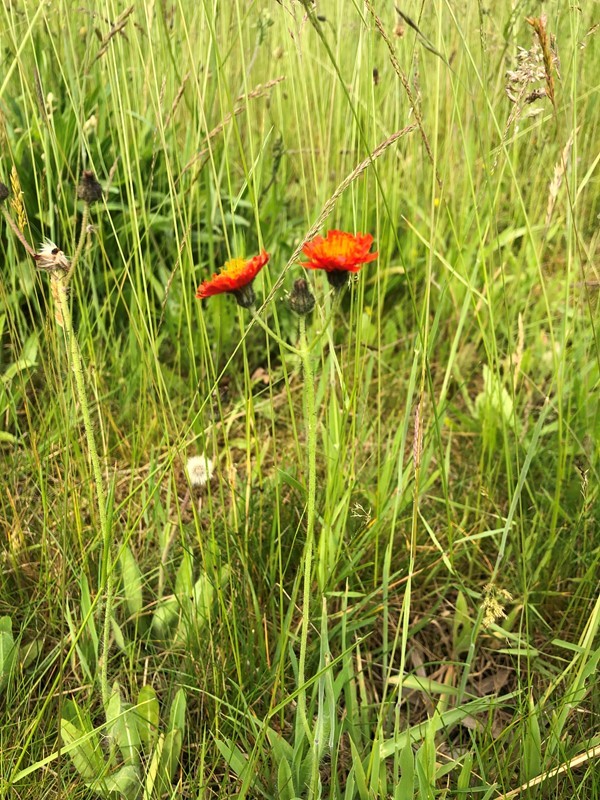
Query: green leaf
point(204, 595)
point(184, 580)
point(281, 748)
point(233, 756)
point(360, 777)
point(84, 750)
point(125, 782)
point(118, 634)
point(165, 616)
point(425, 763)
point(147, 715)
point(464, 779)
point(113, 709)
point(128, 736)
point(446, 720)
point(8, 651)
point(285, 781)
point(177, 714)
point(405, 789)
point(152, 773)
point(532, 746)
point(426, 685)
point(169, 760)
point(132, 581)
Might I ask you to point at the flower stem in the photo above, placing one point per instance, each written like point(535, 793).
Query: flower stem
point(311, 443)
point(272, 333)
point(64, 319)
point(18, 233)
point(80, 243)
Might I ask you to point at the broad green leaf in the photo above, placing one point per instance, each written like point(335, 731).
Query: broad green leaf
point(152, 773)
point(203, 594)
point(446, 720)
point(233, 756)
point(405, 789)
point(8, 651)
point(349, 791)
point(132, 581)
point(425, 764)
point(84, 750)
point(426, 685)
point(281, 748)
point(113, 709)
point(169, 760)
point(464, 778)
point(360, 777)
point(374, 764)
point(285, 782)
point(118, 634)
point(125, 782)
point(87, 613)
point(128, 736)
point(461, 625)
point(184, 580)
point(147, 715)
point(165, 616)
point(532, 746)
point(177, 713)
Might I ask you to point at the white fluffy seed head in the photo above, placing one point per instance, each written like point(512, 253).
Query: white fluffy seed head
point(199, 470)
point(51, 257)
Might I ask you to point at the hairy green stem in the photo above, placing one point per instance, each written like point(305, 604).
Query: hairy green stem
point(17, 232)
point(64, 319)
point(272, 333)
point(82, 234)
point(311, 444)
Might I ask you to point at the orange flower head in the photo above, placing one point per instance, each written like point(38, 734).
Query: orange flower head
point(339, 253)
point(235, 277)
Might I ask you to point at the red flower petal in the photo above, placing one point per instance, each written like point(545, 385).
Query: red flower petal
point(234, 275)
point(339, 251)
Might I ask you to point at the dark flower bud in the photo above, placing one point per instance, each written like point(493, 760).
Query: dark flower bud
point(89, 190)
point(337, 278)
point(3, 192)
point(245, 296)
point(301, 298)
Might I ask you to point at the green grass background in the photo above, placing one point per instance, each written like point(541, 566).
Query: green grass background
point(218, 128)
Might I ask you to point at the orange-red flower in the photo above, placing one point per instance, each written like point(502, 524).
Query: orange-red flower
point(236, 277)
point(339, 253)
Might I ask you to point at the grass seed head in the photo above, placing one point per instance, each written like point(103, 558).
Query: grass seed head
point(494, 600)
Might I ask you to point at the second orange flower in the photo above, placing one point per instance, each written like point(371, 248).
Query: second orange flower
point(339, 253)
point(235, 277)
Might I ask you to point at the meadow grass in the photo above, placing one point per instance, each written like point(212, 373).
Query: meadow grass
point(436, 635)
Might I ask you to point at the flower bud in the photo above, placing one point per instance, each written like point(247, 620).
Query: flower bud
point(245, 296)
point(301, 298)
point(337, 279)
point(89, 190)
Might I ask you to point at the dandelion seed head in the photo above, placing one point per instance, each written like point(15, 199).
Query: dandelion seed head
point(51, 257)
point(199, 470)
